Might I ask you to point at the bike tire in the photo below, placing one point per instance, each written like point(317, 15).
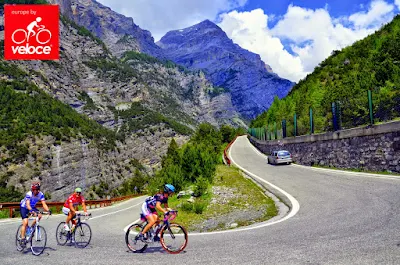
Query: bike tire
point(82, 235)
point(38, 242)
point(19, 30)
point(173, 238)
point(61, 235)
point(43, 42)
point(17, 240)
point(132, 243)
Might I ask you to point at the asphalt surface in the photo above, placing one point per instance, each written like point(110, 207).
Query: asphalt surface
point(342, 219)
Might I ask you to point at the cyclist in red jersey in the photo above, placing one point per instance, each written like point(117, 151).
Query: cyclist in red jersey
point(71, 206)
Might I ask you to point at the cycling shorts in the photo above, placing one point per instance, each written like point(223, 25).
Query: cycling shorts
point(146, 211)
point(25, 212)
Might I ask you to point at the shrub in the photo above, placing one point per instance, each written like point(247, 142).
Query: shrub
point(187, 207)
point(199, 207)
point(201, 186)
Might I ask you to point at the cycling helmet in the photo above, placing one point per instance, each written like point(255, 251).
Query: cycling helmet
point(35, 186)
point(78, 190)
point(168, 188)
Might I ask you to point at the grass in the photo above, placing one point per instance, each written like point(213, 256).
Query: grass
point(359, 170)
point(247, 196)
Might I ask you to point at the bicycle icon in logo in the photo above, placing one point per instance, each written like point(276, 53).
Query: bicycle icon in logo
point(23, 36)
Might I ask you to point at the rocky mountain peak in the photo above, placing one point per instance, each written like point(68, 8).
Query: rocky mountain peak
point(118, 32)
point(205, 46)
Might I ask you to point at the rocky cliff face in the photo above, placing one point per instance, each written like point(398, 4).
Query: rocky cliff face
point(95, 83)
point(118, 32)
point(251, 82)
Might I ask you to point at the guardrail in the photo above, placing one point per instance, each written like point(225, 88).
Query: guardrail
point(227, 160)
point(89, 204)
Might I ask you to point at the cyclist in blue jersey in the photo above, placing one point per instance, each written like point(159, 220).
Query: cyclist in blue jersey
point(152, 204)
point(28, 206)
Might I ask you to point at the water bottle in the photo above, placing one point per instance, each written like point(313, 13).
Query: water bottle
point(28, 231)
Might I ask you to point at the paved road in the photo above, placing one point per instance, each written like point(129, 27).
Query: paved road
point(342, 219)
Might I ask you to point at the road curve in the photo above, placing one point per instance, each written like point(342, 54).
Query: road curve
point(342, 219)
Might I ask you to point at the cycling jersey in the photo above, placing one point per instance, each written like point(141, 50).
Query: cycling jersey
point(152, 201)
point(76, 200)
point(32, 199)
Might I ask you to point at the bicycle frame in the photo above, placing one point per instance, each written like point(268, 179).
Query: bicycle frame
point(35, 232)
point(165, 222)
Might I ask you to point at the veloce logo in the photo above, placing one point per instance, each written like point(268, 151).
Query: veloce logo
point(31, 32)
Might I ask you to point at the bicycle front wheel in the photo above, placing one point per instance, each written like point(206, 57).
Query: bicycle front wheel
point(173, 238)
point(38, 240)
point(18, 239)
point(61, 234)
point(134, 244)
point(82, 235)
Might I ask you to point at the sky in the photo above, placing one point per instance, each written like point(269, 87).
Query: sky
point(291, 36)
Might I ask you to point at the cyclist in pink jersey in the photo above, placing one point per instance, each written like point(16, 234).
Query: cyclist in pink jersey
point(71, 206)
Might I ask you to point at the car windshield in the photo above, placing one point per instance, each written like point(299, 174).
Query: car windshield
point(283, 153)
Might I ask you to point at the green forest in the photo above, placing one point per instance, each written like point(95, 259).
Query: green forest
point(344, 78)
point(194, 163)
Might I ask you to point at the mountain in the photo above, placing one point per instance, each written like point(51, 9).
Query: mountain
point(250, 82)
point(111, 115)
point(344, 78)
point(118, 32)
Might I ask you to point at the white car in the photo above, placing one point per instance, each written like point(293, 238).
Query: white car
point(280, 157)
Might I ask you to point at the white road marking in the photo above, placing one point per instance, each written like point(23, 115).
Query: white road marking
point(359, 174)
point(126, 227)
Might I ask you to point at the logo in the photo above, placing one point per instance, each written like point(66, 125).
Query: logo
point(31, 32)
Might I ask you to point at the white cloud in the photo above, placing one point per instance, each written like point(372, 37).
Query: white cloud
point(161, 16)
point(311, 34)
point(250, 31)
point(378, 12)
point(397, 3)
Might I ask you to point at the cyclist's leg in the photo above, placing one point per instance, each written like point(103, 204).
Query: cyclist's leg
point(149, 214)
point(24, 216)
point(69, 215)
point(37, 213)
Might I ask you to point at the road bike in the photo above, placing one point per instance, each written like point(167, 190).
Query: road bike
point(173, 237)
point(80, 235)
point(24, 36)
point(35, 236)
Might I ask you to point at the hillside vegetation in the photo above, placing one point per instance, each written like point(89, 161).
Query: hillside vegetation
point(345, 77)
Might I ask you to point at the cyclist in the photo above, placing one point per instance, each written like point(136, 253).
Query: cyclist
point(32, 25)
point(27, 206)
point(71, 206)
point(152, 204)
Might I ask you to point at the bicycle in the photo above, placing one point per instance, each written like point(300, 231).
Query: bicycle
point(36, 236)
point(42, 29)
point(173, 237)
point(80, 235)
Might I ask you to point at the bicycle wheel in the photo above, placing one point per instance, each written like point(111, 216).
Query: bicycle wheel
point(61, 234)
point(82, 235)
point(23, 35)
point(133, 244)
point(38, 240)
point(42, 32)
point(173, 238)
point(18, 239)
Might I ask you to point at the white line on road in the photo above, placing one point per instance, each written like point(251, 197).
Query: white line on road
point(359, 174)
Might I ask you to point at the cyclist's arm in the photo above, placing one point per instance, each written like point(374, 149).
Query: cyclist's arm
point(28, 205)
point(46, 208)
point(158, 207)
point(166, 207)
point(71, 207)
point(84, 207)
